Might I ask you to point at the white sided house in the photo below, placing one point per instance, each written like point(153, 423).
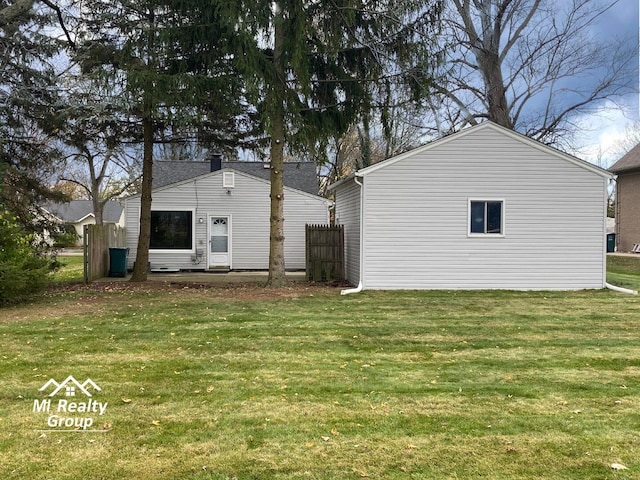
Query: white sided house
point(485, 208)
point(79, 213)
point(215, 215)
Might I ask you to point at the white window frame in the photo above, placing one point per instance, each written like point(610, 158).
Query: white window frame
point(502, 218)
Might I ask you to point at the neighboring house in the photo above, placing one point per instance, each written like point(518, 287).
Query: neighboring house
point(627, 170)
point(79, 213)
point(486, 208)
point(214, 215)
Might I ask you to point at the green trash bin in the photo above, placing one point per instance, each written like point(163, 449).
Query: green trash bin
point(118, 262)
point(611, 242)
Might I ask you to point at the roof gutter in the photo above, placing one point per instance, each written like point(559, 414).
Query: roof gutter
point(360, 286)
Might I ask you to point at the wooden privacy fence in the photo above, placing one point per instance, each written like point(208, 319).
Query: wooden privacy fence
point(325, 252)
point(97, 240)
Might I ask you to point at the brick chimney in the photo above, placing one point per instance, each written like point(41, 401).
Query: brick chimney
point(216, 161)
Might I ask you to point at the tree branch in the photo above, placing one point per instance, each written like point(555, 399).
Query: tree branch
point(56, 9)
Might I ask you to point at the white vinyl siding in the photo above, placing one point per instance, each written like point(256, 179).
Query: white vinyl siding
point(248, 204)
point(416, 218)
point(347, 213)
point(228, 180)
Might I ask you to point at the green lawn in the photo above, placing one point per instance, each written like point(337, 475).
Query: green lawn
point(72, 270)
point(301, 383)
point(624, 271)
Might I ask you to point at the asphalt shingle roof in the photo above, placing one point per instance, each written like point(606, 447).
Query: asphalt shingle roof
point(76, 210)
point(298, 175)
point(630, 161)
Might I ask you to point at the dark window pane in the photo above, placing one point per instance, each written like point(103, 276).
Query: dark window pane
point(171, 230)
point(477, 217)
point(494, 217)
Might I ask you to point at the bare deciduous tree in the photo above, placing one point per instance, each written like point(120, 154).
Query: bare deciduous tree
point(98, 161)
point(531, 65)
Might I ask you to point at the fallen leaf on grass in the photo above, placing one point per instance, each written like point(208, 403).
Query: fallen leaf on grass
point(126, 400)
point(155, 422)
point(618, 466)
point(335, 432)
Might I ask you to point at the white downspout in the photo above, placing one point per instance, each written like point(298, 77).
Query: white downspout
point(620, 289)
point(360, 286)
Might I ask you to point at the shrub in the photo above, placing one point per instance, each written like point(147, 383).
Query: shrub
point(65, 236)
point(24, 269)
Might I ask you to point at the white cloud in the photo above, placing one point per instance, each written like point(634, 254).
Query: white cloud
point(601, 135)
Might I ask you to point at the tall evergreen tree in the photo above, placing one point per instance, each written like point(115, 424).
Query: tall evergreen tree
point(172, 57)
point(312, 68)
point(28, 100)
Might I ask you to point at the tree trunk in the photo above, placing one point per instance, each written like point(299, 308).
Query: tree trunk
point(277, 277)
point(498, 108)
point(98, 208)
point(142, 256)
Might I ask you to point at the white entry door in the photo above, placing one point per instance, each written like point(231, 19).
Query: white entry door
point(219, 252)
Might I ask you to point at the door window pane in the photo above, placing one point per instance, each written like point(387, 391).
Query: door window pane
point(219, 226)
point(219, 235)
point(219, 244)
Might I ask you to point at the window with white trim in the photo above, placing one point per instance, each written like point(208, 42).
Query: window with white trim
point(486, 217)
point(171, 230)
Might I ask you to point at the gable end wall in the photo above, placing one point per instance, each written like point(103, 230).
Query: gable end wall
point(416, 219)
point(249, 208)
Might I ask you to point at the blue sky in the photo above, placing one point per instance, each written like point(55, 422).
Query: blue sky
point(609, 127)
